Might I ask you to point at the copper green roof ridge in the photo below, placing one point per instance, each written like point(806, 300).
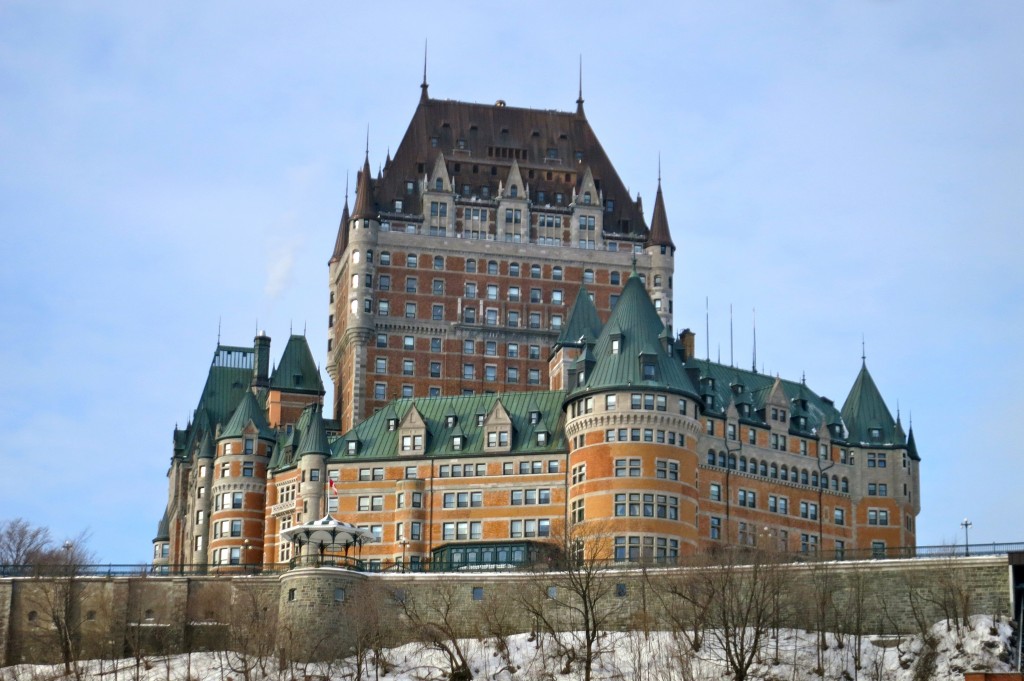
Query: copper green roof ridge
point(248, 411)
point(865, 410)
point(640, 325)
point(378, 441)
point(297, 371)
point(314, 437)
point(583, 322)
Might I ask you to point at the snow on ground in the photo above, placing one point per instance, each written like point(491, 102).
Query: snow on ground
point(623, 656)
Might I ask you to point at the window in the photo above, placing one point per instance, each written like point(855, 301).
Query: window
point(747, 498)
point(411, 260)
point(627, 468)
point(380, 365)
point(839, 516)
point(236, 500)
point(716, 492)
point(408, 367)
point(878, 516)
point(556, 273)
point(808, 510)
point(478, 593)
point(716, 528)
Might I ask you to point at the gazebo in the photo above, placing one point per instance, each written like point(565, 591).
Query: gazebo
point(323, 535)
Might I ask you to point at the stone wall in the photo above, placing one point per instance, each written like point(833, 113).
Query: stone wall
point(314, 612)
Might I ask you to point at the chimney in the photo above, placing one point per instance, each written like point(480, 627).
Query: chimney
point(260, 373)
point(686, 341)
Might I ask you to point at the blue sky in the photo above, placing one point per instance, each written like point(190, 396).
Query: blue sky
point(848, 169)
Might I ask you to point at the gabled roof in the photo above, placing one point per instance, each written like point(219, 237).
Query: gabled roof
point(314, 434)
point(635, 318)
point(495, 135)
point(865, 410)
point(583, 321)
point(248, 411)
point(297, 372)
point(377, 441)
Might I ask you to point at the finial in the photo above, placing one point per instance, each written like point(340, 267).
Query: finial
point(753, 366)
point(303, 329)
point(218, 330)
point(863, 354)
point(731, 362)
point(367, 141)
point(707, 330)
point(803, 377)
point(424, 83)
point(289, 327)
point(579, 100)
point(659, 168)
point(346, 187)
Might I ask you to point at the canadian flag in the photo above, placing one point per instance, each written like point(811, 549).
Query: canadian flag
point(334, 488)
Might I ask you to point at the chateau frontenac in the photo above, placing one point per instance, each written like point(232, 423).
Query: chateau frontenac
point(505, 373)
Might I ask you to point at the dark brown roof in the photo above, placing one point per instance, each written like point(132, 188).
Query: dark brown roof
point(341, 241)
point(660, 234)
point(493, 136)
point(365, 206)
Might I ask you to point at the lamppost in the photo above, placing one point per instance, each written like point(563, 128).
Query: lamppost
point(405, 545)
point(966, 524)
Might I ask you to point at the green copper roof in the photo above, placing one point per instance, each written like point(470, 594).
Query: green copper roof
point(377, 441)
point(206, 448)
point(297, 372)
point(636, 325)
point(747, 387)
point(865, 410)
point(248, 411)
point(912, 446)
point(163, 529)
point(314, 435)
point(583, 322)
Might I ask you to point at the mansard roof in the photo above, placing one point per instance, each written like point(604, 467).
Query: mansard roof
point(248, 411)
point(297, 372)
point(749, 387)
point(551, 148)
point(378, 441)
point(865, 411)
point(583, 321)
point(636, 325)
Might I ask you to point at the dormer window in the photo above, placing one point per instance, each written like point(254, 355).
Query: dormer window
point(513, 191)
point(875, 433)
point(542, 439)
point(450, 420)
point(534, 417)
point(457, 442)
point(353, 447)
point(392, 424)
point(479, 420)
point(586, 198)
point(616, 346)
point(649, 369)
point(438, 184)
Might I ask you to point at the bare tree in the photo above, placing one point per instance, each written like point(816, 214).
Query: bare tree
point(21, 542)
point(253, 629)
point(434, 618)
point(743, 588)
point(574, 602)
point(367, 630)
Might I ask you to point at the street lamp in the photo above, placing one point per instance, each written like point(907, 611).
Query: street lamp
point(966, 524)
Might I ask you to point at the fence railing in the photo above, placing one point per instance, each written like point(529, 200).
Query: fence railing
point(738, 555)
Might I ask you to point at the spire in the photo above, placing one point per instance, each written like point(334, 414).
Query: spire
point(865, 411)
point(424, 95)
point(314, 437)
point(364, 195)
point(753, 366)
point(911, 445)
point(660, 234)
point(583, 321)
point(579, 100)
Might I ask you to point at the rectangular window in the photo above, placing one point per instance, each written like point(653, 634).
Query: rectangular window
point(715, 492)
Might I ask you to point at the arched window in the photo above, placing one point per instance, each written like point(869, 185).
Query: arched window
point(711, 457)
point(753, 466)
point(615, 278)
point(586, 198)
point(411, 260)
point(438, 262)
point(438, 184)
point(471, 266)
point(743, 464)
point(385, 257)
point(784, 473)
point(356, 256)
point(732, 462)
point(824, 481)
point(556, 273)
point(492, 267)
point(835, 483)
point(764, 469)
point(803, 477)
point(588, 276)
point(845, 486)
point(513, 191)
point(774, 471)
point(721, 459)
point(814, 479)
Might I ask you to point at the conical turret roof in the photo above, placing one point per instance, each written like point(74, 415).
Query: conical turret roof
point(660, 235)
point(248, 411)
point(636, 325)
point(297, 371)
point(341, 242)
point(163, 529)
point(314, 436)
point(583, 321)
point(865, 410)
point(364, 208)
point(912, 446)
